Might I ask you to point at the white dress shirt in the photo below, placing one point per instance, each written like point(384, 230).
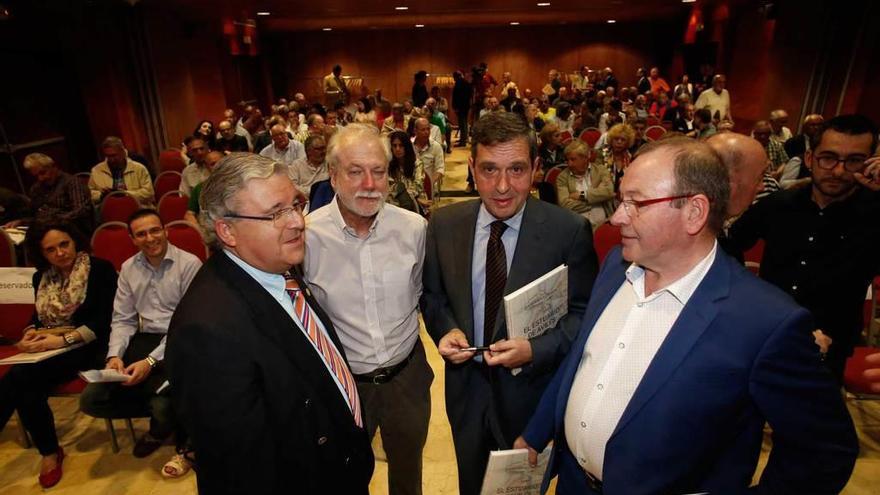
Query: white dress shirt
point(370, 286)
point(624, 341)
point(295, 150)
point(276, 286)
point(304, 174)
point(146, 297)
point(431, 155)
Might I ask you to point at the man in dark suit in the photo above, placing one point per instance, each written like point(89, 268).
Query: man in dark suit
point(257, 371)
point(684, 355)
point(476, 252)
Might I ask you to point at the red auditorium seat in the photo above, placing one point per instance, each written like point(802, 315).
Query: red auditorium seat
point(7, 250)
point(655, 132)
point(170, 159)
point(187, 237)
point(117, 207)
point(605, 238)
point(753, 256)
point(566, 137)
point(553, 174)
point(173, 206)
point(652, 120)
point(853, 381)
point(166, 181)
point(112, 243)
point(590, 136)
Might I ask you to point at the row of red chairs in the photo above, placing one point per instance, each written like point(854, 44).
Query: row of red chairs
point(591, 135)
point(112, 242)
point(118, 206)
point(165, 182)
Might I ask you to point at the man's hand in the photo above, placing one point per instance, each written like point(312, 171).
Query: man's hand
point(575, 195)
point(138, 371)
point(870, 177)
point(450, 346)
point(822, 340)
point(509, 353)
point(873, 374)
point(115, 363)
point(520, 443)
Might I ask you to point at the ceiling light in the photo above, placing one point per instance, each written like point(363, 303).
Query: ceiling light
point(514, 23)
point(264, 13)
point(327, 29)
point(420, 25)
point(688, 1)
point(611, 21)
point(401, 8)
point(544, 4)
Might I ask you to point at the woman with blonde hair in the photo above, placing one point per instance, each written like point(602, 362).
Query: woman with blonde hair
point(615, 155)
point(583, 187)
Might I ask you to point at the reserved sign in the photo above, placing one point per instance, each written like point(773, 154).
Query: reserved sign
point(16, 285)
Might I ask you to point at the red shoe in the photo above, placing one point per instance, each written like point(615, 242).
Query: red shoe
point(52, 478)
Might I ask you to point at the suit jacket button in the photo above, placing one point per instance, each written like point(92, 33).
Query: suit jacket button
point(322, 440)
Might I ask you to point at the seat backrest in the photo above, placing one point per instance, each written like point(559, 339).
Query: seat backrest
point(590, 136)
point(187, 237)
point(854, 380)
point(118, 207)
point(566, 137)
point(755, 253)
point(605, 238)
point(83, 177)
point(170, 159)
point(429, 187)
point(7, 250)
point(168, 180)
point(112, 243)
point(173, 206)
point(655, 132)
point(553, 174)
point(321, 194)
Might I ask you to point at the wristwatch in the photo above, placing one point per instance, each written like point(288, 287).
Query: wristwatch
point(583, 196)
point(152, 362)
point(69, 338)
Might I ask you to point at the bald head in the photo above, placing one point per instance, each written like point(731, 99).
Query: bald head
point(746, 161)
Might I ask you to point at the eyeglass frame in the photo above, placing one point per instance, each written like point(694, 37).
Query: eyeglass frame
point(626, 203)
point(839, 160)
point(287, 212)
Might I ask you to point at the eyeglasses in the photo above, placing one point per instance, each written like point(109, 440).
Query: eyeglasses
point(142, 234)
point(279, 218)
point(631, 206)
point(850, 163)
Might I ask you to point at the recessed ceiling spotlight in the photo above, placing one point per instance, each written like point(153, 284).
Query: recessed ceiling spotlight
point(543, 4)
point(327, 29)
point(688, 1)
point(514, 23)
point(264, 13)
point(420, 25)
point(401, 8)
point(611, 21)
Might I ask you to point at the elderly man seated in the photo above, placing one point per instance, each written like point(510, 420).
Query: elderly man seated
point(151, 284)
point(118, 172)
point(56, 196)
point(313, 168)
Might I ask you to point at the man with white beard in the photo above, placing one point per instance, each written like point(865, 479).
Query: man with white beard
point(364, 263)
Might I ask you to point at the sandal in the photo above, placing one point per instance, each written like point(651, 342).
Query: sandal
point(179, 465)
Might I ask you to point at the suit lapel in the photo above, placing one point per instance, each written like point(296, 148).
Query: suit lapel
point(463, 262)
point(695, 318)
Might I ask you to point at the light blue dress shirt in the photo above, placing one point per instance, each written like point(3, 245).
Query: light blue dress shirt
point(478, 269)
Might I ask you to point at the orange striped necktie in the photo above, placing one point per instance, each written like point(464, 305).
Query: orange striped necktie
point(325, 347)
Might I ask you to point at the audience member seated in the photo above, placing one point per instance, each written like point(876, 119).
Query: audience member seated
point(74, 297)
point(615, 155)
point(118, 172)
point(314, 127)
point(205, 130)
point(263, 137)
point(397, 121)
point(683, 88)
point(716, 99)
point(704, 127)
point(429, 151)
point(550, 148)
point(775, 152)
point(684, 123)
point(192, 205)
point(56, 196)
point(406, 176)
point(639, 109)
point(196, 172)
point(283, 149)
point(150, 285)
point(536, 123)
point(798, 145)
point(639, 127)
point(491, 105)
point(664, 109)
point(366, 114)
point(583, 187)
point(779, 122)
point(313, 168)
point(658, 84)
point(229, 141)
point(614, 111)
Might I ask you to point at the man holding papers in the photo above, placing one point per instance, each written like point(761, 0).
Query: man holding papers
point(151, 283)
point(478, 251)
point(684, 356)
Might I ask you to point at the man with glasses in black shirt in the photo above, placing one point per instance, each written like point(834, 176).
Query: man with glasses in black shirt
point(822, 241)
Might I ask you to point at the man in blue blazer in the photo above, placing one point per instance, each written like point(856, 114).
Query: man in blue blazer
point(683, 356)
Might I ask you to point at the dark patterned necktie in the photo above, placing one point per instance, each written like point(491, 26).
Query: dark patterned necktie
point(496, 278)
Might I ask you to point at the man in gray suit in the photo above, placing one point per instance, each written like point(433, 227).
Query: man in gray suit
point(476, 252)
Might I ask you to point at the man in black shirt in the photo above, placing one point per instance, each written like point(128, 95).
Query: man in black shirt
point(821, 242)
point(229, 140)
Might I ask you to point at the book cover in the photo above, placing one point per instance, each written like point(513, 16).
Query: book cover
point(537, 306)
point(509, 473)
point(36, 357)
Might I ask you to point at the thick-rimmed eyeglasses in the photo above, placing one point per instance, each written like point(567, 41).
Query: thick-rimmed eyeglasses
point(631, 206)
point(280, 218)
point(850, 163)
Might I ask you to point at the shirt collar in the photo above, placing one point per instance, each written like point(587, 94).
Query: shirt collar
point(683, 288)
point(166, 260)
point(485, 219)
point(272, 282)
point(336, 215)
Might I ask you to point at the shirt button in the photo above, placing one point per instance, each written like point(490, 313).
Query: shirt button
point(640, 304)
point(621, 345)
point(583, 424)
point(600, 386)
